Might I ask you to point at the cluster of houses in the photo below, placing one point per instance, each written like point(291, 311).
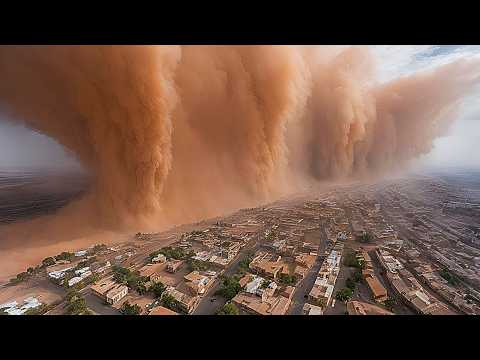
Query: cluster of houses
point(321, 294)
point(378, 291)
point(262, 296)
point(406, 286)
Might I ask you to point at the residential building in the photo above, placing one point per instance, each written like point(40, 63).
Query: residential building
point(160, 310)
point(309, 309)
point(305, 260)
point(379, 293)
point(160, 258)
point(174, 265)
point(109, 290)
point(267, 264)
point(152, 271)
point(186, 302)
point(273, 305)
point(199, 283)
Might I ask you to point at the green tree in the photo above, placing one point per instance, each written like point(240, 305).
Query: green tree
point(170, 302)
point(99, 247)
point(344, 295)
point(450, 277)
point(49, 261)
point(357, 276)
point(141, 288)
point(120, 274)
point(351, 260)
point(173, 253)
point(287, 279)
point(71, 295)
point(321, 302)
point(198, 265)
point(65, 255)
point(20, 277)
point(128, 309)
point(243, 266)
point(230, 288)
point(30, 270)
point(365, 238)
point(390, 303)
point(229, 309)
point(350, 284)
point(77, 306)
point(39, 310)
point(158, 289)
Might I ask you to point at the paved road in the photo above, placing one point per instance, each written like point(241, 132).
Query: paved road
point(303, 288)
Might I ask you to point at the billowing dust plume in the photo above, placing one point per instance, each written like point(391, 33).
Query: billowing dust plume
point(172, 134)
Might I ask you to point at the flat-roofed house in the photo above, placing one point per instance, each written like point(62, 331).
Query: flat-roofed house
point(186, 302)
point(379, 293)
point(174, 265)
point(110, 291)
point(305, 260)
point(152, 271)
point(264, 265)
point(198, 283)
point(160, 310)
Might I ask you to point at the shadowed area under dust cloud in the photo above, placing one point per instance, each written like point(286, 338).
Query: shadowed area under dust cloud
point(171, 134)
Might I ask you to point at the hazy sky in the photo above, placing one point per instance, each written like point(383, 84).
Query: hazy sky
point(20, 147)
point(461, 145)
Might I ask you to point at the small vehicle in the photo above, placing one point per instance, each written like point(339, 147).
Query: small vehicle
point(213, 300)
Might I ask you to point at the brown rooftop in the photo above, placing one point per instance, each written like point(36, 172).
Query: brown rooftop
point(160, 310)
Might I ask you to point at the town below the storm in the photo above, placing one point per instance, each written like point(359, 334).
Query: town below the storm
point(409, 245)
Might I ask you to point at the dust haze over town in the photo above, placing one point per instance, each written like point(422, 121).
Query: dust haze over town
point(121, 144)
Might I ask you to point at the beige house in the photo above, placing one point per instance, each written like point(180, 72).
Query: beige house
point(174, 265)
point(110, 291)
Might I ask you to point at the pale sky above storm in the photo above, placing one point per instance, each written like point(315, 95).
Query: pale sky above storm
point(459, 148)
point(21, 147)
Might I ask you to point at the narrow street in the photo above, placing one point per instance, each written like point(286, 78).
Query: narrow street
point(300, 296)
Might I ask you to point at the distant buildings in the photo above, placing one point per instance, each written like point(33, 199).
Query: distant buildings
point(81, 253)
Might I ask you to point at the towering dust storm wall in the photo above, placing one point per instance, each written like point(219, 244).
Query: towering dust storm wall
point(173, 134)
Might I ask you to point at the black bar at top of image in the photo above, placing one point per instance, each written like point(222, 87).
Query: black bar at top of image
point(299, 29)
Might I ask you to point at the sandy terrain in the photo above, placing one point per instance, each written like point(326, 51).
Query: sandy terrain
point(42, 289)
